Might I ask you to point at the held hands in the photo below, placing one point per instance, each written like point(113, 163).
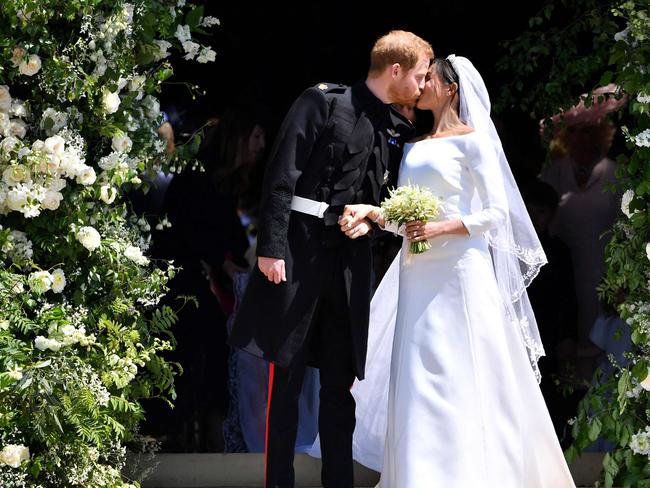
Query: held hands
point(355, 220)
point(422, 231)
point(273, 269)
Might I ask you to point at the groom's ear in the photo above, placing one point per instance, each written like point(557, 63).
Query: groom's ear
point(395, 70)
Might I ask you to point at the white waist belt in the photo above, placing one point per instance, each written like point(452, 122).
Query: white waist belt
point(307, 206)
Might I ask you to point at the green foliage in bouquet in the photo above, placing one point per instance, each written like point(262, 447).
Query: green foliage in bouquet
point(81, 326)
point(558, 65)
point(410, 203)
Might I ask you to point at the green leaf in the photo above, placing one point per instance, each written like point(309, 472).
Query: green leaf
point(194, 17)
point(594, 429)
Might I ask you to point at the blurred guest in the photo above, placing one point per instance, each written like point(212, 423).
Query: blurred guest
point(588, 207)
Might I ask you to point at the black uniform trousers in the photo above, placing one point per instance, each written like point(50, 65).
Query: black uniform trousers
point(330, 343)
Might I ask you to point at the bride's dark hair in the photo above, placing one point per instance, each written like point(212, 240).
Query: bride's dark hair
point(444, 68)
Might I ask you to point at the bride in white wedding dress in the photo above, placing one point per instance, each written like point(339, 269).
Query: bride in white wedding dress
point(460, 406)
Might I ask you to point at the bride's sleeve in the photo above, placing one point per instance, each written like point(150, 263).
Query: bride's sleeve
point(484, 169)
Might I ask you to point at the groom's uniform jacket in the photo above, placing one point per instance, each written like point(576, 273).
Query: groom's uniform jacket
point(337, 145)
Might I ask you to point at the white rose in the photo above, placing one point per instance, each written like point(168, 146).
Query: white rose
point(15, 174)
point(13, 455)
point(17, 128)
point(107, 193)
point(87, 176)
point(135, 254)
point(16, 199)
point(54, 145)
point(9, 144)
point(39, 281)
point(31, 66)
point(111, 102)
point(122, 143)
point(5, 99)
point(17, 56)
point(52, 200)
point(88, 237)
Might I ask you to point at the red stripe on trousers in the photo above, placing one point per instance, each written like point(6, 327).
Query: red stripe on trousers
point(268, 412)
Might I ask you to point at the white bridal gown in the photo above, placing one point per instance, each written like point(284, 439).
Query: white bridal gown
point(464, 409)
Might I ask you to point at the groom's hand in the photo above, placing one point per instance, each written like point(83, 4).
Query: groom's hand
point(272, 268)
point(354, 228)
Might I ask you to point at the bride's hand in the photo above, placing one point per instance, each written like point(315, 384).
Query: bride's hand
point(423, 231)
point(353, 215)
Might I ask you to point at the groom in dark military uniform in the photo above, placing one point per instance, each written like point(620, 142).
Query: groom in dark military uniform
point(308, 299)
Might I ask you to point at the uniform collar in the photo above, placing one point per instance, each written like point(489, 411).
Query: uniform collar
point(370, 104)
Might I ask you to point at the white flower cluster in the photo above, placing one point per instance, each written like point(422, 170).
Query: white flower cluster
point(120, 21)
point(192, 49)
point(643, 98)
point(63, 335)
point(13, 455)
point(88, 237)
point(27, 64)
point(34, 175)
point(18, 247)
point(640, 442)
point(12, 114)
point(209, 21)
point(43, 281)
point(123, 370)
point(643, 139)
point(625, 203)
point(134, 253)
point(637, 315)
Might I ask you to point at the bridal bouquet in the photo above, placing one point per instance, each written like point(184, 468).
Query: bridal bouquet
point(407, 204)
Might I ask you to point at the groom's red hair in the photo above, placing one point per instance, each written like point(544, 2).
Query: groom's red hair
point(398, 46)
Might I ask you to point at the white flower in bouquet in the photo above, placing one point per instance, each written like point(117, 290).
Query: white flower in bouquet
point(163, 49)
point(39, 281)
point(122, 142)
point(52, 200)
point(21, 246)
point(643, 98)
point(183, 33)
point(53, 145)
point(17, 128)
point(52, 121)
point(17, 55)
point(111, 161)
point(16, 373)
point(640, 442)
point(107, 193)
point(5, 99)
point(13, 455)
point(44, 343)
point(70, 165)
point(19, 108)
point(58, 280)
point(15, 174)
point(135, 85)
point(643, 139)
point(30, 66)
point(88, 237)
point(16, 198)
point(111, 102)
point(86, 176)
point(206, 55)
point(135, 254)
point(191, 49)
point(410, 203)
point(57, 184)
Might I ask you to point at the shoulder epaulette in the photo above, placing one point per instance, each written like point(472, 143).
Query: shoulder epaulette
point(333, 88)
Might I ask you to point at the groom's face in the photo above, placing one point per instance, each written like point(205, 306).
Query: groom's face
point(407, 85)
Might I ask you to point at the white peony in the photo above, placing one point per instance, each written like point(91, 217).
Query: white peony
point(88, 237)
point(58, 280)
point(111, 102)
point(13, 455)
point(39, 281)
point(86, 176)
point(30, 66)
point(53, 145)
point(107, 193)
point(122, 143)
point(15, 174)
point(5, 99)
point(17, 128)
point(135, 254)
point(52, 200)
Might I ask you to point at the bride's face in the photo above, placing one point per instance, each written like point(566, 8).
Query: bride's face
point(434, 93)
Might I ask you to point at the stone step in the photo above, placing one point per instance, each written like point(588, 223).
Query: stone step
point(214, 470)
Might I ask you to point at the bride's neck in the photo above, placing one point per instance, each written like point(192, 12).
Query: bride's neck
point(445, 119)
